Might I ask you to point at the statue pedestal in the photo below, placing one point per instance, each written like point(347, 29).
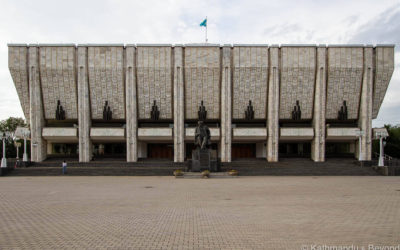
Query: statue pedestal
point(204, 159)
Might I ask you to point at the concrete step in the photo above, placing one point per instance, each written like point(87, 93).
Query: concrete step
point(291, 167)
point(199, 175)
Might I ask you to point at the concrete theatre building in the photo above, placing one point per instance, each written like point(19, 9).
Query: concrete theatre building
point(143, 101)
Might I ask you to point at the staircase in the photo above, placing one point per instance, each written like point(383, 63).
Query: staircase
point(250, 167)
point(300, 167)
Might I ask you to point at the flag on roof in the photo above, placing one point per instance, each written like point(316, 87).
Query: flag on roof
point(204, 23)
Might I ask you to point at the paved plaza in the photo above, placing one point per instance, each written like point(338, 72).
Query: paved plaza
point(168, 213)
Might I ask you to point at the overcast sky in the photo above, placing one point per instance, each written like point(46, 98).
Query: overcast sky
point(177, 21)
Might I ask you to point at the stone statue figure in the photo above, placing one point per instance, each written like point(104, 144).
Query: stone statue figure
point(202, 136)
point(60, 112)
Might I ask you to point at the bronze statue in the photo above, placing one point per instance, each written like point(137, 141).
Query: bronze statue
point(107, 113)
point(154, 113)
point(202, 136)
point(60, 112)
point(342, 114)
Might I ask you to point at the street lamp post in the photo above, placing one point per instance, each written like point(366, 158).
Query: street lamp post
point(25, 134)
point(4, 136)
point(381, 135)
point(15, 139)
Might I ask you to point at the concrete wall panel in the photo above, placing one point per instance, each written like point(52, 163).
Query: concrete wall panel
point(297, 81)
point(154, 81)
point(106, 80)
point(250, 81)
point(202, 81)
point(18, 66)
point(58, 80)
point(345, 72)
point(384, 66)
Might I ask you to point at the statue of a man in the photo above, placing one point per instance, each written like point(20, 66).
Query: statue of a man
point(202, 136)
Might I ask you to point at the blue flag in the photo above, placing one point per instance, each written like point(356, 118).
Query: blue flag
point(204, 23)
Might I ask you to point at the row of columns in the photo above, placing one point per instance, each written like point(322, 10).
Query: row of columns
point(84, 118)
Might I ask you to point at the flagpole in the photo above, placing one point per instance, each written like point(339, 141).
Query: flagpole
point(206, 29)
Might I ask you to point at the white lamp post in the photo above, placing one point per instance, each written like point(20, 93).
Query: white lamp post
point(360, 133)
point(4, 136)
point(381, 135)
point(16, 144)
point(25, 134)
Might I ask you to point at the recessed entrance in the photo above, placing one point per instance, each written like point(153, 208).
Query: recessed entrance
point(339, 149)
point(243, 150)
point(109, 150)
point(69, 150)
point(160, 151)
point(290, 149)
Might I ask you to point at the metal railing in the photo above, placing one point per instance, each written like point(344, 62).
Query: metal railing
point(385, 156)
point(393, 164)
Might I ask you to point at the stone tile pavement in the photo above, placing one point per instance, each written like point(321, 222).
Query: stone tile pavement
point(167, 213)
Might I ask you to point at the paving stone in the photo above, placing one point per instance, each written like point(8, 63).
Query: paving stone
point(242, 213)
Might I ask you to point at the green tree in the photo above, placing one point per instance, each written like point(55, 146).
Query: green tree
point(392, 147)
point(11, 125)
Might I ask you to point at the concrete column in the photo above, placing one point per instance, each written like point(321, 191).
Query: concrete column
point(131, 106)
point(85, 145)
point(226, 105)
point(365, 114)
point(38, 145)
point(318, 143)
point(179, 102)
point(273, 105)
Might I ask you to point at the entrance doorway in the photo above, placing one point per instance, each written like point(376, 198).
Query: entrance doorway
point(243, 150)
point(109, 150)
point(160, 151)
point(339, 149)
point(295, 149)
point(69, 150)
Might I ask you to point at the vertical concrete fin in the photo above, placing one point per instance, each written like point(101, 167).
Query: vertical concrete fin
point(273, 106)
point(365, 114)
point(226, 105)
point(85, 145)
point(179, 128)
point(318, 143)
point(38, 145)
point(131, 105)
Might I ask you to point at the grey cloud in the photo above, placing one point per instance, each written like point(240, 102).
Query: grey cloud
point(351, 19)
point(383, 29)
point(278, 30)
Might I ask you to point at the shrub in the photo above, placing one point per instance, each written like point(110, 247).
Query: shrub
point(178, 172)
point(205, 173)
point(233, 172)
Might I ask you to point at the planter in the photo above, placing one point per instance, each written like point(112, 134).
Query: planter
point(205, 174)
point(178, 173)
point(233, 172)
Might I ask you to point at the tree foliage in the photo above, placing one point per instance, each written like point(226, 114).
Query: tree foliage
point(392, 147)
point(11, 125)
